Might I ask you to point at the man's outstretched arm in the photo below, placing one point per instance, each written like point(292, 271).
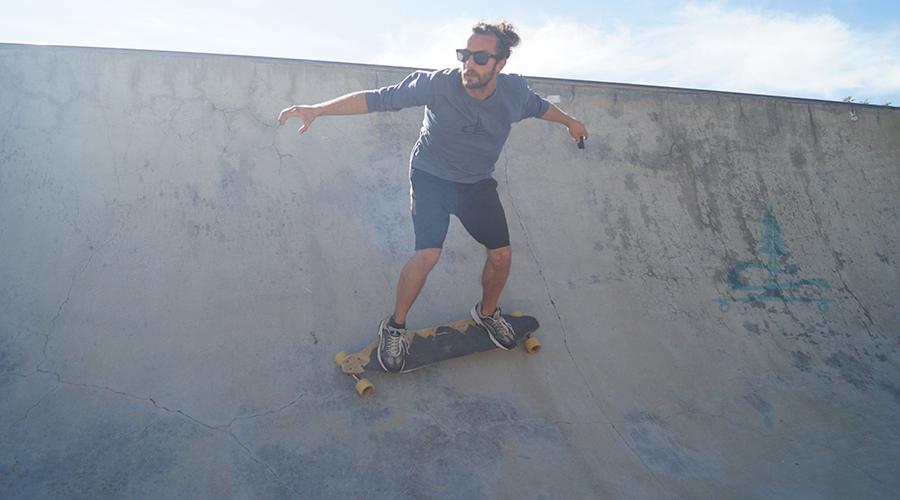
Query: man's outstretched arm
point(576, 128)
point(350, 104)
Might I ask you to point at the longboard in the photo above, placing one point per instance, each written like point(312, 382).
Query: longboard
point(436, 344)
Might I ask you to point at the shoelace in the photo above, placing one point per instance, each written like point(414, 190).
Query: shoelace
point(500, 326)
point(396, 343)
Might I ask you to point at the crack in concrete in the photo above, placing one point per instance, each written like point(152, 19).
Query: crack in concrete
point(226, 429)
point(643, 462)
point(75, 278)
point(562, 327)
point(859, 303)
point(262, 464)
point(41, 400)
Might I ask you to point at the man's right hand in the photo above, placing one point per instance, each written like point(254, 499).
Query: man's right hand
point(305, 113)
point(350, 104)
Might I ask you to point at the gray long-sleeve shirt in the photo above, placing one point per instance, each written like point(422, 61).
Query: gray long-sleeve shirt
point(461, 137)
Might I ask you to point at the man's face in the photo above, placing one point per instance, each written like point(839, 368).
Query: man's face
point(475, 76)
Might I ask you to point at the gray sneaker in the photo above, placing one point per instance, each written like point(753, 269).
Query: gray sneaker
point(392, 347)
point(498, 329)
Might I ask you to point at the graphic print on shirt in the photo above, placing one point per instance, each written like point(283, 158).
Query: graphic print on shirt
point(476, 128)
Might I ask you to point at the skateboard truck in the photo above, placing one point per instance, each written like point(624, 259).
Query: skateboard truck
point(363, 386)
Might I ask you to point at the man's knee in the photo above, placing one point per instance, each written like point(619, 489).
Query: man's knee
point(427, 258)
point(500, 257)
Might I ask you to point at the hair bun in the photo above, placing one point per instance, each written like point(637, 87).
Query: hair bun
point(506, 35)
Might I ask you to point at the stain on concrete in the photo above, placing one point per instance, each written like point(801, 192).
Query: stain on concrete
point(661, 449)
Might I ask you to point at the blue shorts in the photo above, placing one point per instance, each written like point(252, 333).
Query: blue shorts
point(477, 206)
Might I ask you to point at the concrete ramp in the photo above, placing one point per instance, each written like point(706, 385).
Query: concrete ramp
point(715, 275)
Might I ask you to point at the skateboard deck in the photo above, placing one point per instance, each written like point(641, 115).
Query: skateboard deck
point(436, 344)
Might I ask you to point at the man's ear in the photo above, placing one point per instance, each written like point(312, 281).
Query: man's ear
point(501, 64)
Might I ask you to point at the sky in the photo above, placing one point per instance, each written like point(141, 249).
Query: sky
point(822, 49)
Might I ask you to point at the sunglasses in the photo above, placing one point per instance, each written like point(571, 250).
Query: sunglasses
point(481, 57)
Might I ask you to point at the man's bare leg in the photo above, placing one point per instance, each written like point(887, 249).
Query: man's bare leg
point(493, 278)
point(412, 280)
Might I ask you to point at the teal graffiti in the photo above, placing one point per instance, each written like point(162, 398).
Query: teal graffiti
point(774, 289)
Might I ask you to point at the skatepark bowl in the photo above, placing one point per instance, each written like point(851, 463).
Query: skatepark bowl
point(715, 276)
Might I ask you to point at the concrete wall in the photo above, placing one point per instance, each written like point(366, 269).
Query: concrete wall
point(177, 273)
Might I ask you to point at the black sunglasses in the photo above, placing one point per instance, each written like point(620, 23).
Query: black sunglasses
point(481, 57)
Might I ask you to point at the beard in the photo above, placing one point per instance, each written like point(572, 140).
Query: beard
point(473, 81)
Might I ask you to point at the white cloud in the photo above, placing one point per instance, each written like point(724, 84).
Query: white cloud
point(424, 44)
point(704, 46)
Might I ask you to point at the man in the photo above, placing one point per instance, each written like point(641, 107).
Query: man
point(468, 114)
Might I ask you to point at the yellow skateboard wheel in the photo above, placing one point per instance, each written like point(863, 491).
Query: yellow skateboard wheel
point(517, 314)
point(365, 388)
point(340, 357)
point(532, 345)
